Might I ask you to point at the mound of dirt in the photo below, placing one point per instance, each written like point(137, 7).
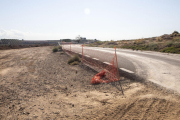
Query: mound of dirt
point(36, 83)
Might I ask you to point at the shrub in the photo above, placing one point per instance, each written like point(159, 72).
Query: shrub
point(73, 59)
point(169, 44)
point(55, 49)
point(74, 63)
point(176, 39)
point(166, 36)
point(98, 43)
point(60, 47)
point(111, 46)
point(171, 35)
point(111, 43)
point(175, 32)
point(159, 39)
point(171, 50)
point(140, 41)
point(153, 47)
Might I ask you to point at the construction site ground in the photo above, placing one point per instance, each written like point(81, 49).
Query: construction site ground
point(36, 83)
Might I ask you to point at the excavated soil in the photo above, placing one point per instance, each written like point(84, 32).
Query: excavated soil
point(38, 84)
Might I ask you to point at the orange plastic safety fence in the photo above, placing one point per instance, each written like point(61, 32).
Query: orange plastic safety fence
point(105, 62)
point(109, 74)
point(67, 47)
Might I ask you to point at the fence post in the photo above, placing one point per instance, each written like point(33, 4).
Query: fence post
point(63, 45)
point(82, 54)
point(70, 47)
point(117, 63)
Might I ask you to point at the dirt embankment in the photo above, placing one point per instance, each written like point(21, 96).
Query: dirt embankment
point(38, 84)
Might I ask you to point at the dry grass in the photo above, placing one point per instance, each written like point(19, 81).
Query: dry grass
point(74, 63)
point(74, 60)
point(55, 49)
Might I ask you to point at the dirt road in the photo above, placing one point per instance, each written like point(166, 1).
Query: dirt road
point(38, 84)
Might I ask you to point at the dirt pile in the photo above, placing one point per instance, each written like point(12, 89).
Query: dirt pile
point(36, 83)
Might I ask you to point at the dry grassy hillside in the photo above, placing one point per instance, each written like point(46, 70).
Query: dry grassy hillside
point(165, 43)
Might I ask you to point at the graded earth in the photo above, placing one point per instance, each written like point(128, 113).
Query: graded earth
point(36, 83)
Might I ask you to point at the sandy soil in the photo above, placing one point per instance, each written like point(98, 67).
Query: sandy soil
point(38, 84)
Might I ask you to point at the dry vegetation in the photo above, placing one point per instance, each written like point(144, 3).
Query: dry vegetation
point(75, 60)
point(165, 43)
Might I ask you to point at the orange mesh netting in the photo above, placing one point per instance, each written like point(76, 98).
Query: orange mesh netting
point(103, 61)
point(109, 74)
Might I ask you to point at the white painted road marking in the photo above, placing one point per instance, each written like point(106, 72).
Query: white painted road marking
point(87, 55)
point(107, 63)
point(95, 59)
point(126, 70)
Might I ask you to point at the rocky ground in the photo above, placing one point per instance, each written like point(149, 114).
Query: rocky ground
point(38, 84)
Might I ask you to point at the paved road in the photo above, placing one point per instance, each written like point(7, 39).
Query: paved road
point(160, 68)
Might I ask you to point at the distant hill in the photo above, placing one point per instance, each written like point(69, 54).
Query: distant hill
point(16, 44)
point(169, 43)
point(26, 42)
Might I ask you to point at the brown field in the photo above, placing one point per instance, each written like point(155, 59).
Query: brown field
point(36, 83)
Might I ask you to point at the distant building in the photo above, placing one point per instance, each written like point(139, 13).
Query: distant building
point(81, 38)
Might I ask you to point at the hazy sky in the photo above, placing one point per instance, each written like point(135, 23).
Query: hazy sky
point(93, 19)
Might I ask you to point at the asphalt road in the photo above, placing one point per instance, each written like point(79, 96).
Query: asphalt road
point(160, 68)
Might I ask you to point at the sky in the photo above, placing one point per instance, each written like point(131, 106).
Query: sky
point(93, 19)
